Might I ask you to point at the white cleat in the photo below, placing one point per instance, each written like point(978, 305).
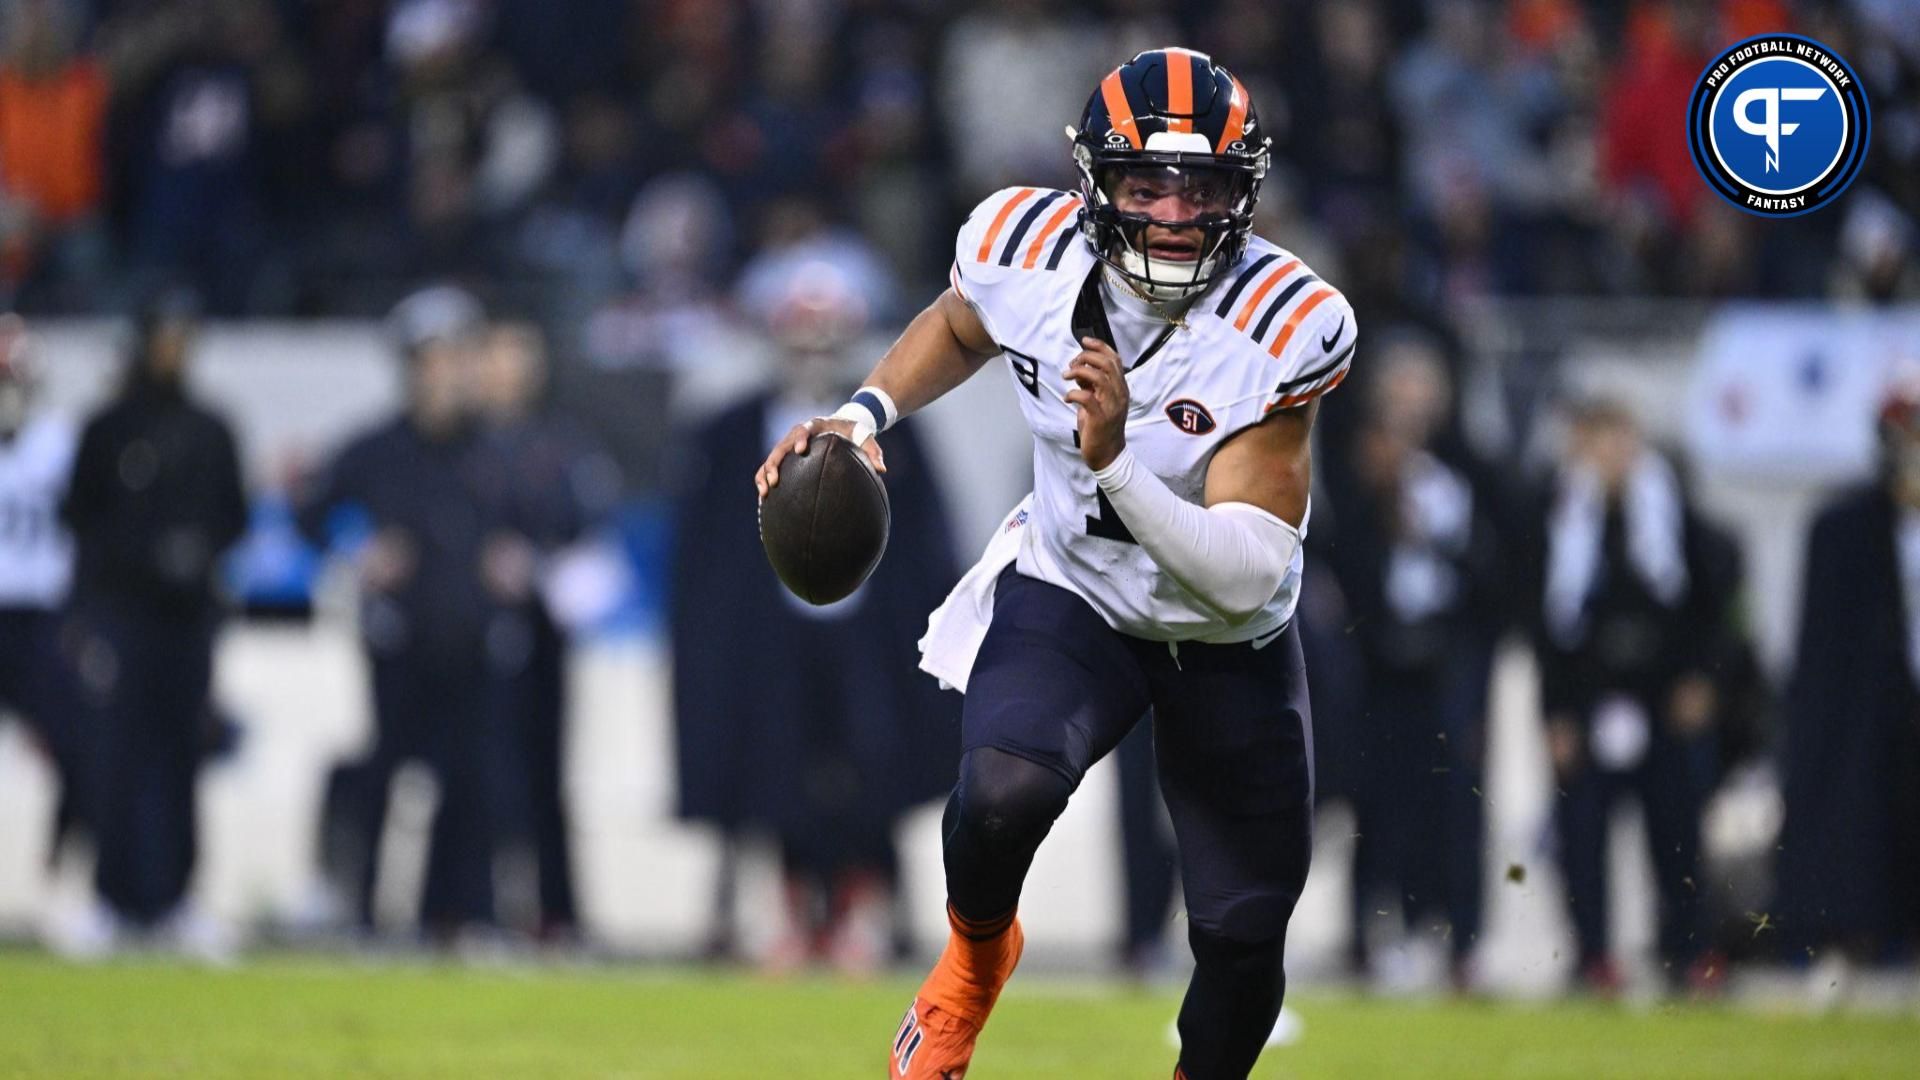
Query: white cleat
point(1287, 1028)
point(191, 933)
point(86, 934)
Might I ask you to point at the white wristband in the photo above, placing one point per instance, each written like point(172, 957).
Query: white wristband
point(870, 411)
point(860, 418)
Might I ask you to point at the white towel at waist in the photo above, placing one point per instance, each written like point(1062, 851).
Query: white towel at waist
point(959, 624)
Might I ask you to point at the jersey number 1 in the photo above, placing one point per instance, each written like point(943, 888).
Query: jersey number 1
point(1107, 524)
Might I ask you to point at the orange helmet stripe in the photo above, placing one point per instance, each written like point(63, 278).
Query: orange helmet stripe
point(1119, 113)
point(1293, 321)
point(1179, 89)
point(1046, 232)
point(1000, 220)
point(1236, 118)
point(1259, 294)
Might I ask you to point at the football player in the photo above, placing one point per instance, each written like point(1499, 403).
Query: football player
point(1168, 363)
point(36, 567)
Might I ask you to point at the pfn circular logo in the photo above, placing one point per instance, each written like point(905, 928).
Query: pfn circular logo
point(1778, 125)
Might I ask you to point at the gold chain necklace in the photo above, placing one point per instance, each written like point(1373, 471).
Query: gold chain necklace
point(1158, 307)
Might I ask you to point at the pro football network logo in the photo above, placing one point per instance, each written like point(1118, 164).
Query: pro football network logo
point(1778, 125)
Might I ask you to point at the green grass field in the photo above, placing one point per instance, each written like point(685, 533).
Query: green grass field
point(300, 1017)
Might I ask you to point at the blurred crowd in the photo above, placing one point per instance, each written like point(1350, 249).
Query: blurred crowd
point(468, 533)
point(295, 157)
point(1637, 608)
point(623, 179)
point(1630, 603)
point(463, 524)
point(456, 518)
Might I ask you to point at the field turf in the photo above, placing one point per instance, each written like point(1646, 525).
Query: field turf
point(306, 1017)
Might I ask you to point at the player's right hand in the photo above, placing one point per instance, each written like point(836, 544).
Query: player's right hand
point(1100, 398)
point(767, 477)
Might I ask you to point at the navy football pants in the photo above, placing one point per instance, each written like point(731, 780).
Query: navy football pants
point(1053, 690)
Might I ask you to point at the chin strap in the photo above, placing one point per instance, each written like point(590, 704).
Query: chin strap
point(1138, 276)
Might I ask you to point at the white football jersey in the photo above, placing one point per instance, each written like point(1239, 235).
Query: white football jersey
point(1268, 334)
point(36, 553)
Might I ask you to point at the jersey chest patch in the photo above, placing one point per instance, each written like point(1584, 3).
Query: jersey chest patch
point(1190, 417)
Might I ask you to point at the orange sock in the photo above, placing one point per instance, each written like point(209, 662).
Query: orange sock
point(978, 960)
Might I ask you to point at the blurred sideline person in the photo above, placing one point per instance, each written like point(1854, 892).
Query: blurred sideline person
point(559, 485)
point(1412, 550)
point(435, 565)
point(808, 723)
point(154, 501)
point(36, 569)
point(1634, 620)
point(1849, 862)
point(1169, 364)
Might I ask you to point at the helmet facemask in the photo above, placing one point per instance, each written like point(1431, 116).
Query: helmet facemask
point(1167, 258)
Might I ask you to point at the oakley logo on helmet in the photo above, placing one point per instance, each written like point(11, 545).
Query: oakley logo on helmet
point(1183, 128)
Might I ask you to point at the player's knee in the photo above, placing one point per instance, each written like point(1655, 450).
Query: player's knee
point(1254, 966)
point(1007, 801)
point(1250, 919)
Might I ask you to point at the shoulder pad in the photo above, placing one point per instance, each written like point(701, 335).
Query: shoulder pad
point(1018, 228)
point(1304, 325)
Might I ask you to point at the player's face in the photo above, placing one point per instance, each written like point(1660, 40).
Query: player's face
point(512, 366)
point(443, 382)
point(1167, 194)
point(169, 347)
point(1609, 444)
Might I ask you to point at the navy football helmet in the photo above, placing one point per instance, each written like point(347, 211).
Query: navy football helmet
point(1176, 113)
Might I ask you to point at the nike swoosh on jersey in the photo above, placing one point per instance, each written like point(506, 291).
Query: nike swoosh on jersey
point(1327, 343)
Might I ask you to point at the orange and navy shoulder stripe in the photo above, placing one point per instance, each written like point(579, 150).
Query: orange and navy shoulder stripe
point(1324, 377)
point(1296, 392)
point(1031, 225)
point(1271, 285)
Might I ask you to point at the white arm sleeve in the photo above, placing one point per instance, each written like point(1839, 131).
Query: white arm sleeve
point(1233, 555)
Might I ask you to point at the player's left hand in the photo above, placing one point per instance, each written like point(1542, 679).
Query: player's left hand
point(1100, 396)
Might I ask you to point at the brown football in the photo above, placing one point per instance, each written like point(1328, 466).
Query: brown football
point(825, 523)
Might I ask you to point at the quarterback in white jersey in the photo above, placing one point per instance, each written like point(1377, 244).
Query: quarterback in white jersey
point(1169, 365)
point(1269, 336)
point(36, 563)
point(36, 553)
point(36, 458)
